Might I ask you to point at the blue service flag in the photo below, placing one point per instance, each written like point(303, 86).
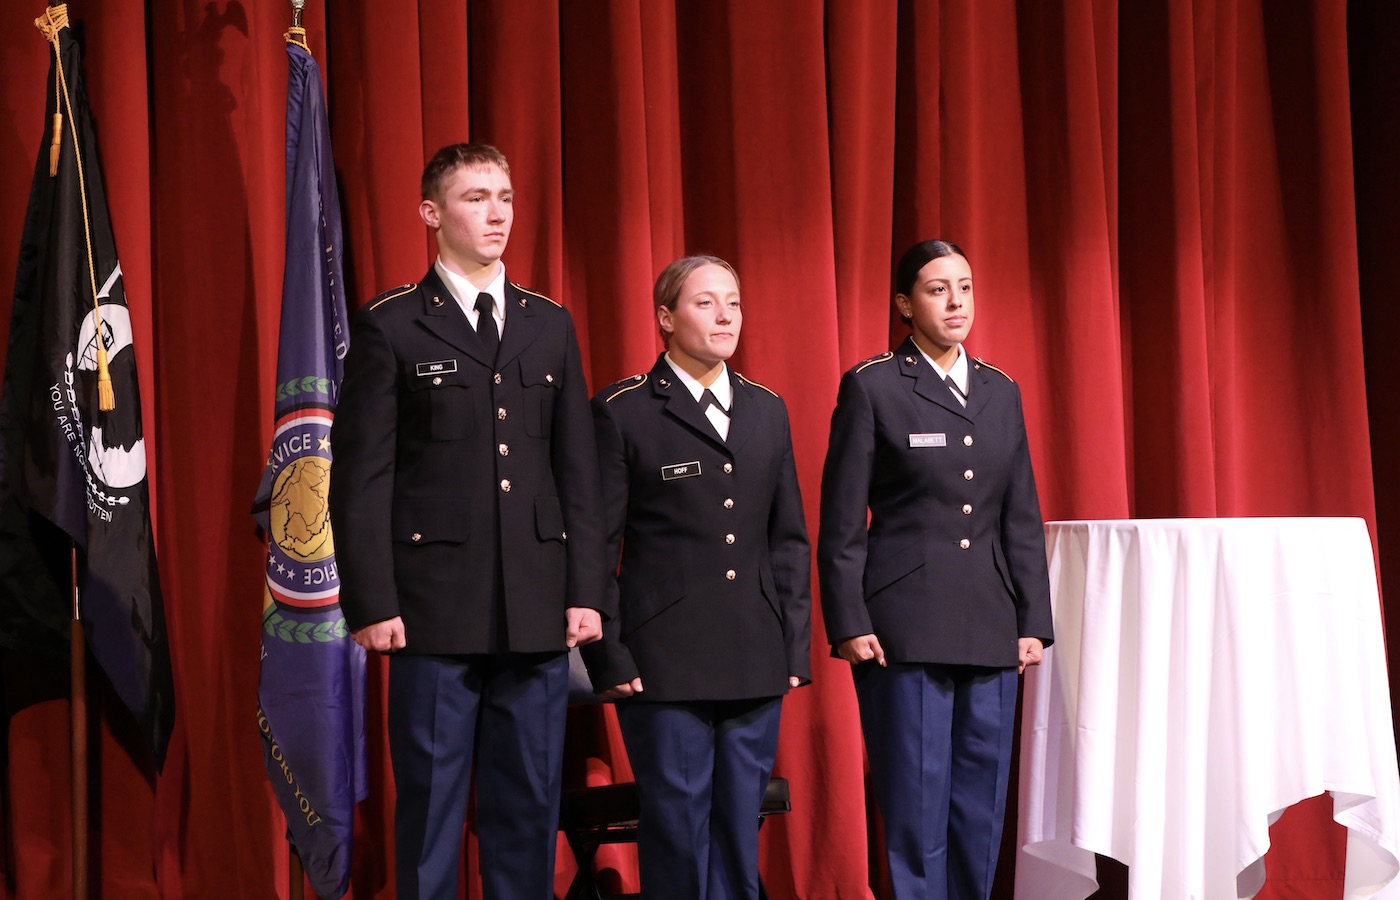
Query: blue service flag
point(312, 687)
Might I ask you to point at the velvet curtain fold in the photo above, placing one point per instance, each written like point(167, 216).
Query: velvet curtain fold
point(1175, 214)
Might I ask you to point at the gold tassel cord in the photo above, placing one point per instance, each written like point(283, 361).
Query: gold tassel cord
point(54, 20)
point(56, 144)
point(297, 35)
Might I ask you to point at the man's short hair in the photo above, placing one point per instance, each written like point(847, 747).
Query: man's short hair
point(453, 157)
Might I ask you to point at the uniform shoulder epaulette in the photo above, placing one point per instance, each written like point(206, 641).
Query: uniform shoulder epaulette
point(983, 362)
point(757, 385)
point(390, 295)
point(618, 388)
point(525, 290)
point(883, 357)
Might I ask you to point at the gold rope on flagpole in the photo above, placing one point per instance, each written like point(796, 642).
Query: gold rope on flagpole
point(54, 20)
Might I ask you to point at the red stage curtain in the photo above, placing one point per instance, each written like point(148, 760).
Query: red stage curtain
point(1174, 249)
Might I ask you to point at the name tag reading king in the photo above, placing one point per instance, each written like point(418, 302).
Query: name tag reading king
point(680, 470)
point(928, 440)
point(441, 367)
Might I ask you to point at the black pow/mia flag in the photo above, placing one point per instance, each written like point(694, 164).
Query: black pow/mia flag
point(71, 472)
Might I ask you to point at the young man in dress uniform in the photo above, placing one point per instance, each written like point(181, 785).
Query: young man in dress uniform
point(465, 509)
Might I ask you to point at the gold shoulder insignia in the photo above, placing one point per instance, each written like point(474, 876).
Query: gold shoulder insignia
point(883, 357)
point(983, 362)
point(390, 295)
point(625, 385)
point(757, 385)
point(526, 290)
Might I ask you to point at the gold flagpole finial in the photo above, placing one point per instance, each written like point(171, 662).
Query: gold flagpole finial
point(296, 34)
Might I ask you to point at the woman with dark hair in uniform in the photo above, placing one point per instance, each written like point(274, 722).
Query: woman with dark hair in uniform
point(943, 598)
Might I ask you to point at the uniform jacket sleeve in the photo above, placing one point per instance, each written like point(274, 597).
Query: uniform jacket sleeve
point(609, 661)
point(1023, 541)
point(574, 460)
point(845, 492)
point(363, 440)
point(791, 555)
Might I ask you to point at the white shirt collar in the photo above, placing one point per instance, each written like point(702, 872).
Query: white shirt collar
point(465, 293)
point(958, 371)
point(721, 388)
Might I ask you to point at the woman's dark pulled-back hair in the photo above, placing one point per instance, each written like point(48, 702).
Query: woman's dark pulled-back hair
point(918, 256)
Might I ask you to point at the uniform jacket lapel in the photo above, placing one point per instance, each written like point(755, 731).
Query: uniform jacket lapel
point(743, 416)
point(927, 383)
point(680, 404)
point(444, 318)
point(522, 325)
point(977, 395)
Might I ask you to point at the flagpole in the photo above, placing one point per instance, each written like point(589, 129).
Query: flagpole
point(77, 711)
point(296, 879)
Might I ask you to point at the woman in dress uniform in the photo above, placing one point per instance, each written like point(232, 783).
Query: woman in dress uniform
point(943, 598)
point(701, 504)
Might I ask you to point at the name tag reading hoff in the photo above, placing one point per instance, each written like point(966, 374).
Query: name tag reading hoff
point(680, 470)
point(440, 367)
point(928, 440)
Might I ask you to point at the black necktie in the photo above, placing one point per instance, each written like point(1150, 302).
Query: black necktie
point(708, 399)
point(957, 391)
point(486, 325)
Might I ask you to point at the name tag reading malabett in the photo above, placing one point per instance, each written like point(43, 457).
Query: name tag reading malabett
point(441, 367)
point(680, 470)
point(928, 440)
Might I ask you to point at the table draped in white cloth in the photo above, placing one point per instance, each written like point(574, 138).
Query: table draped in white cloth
point(1206, 675)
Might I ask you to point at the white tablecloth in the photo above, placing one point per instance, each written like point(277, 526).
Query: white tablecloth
point(1206, 674)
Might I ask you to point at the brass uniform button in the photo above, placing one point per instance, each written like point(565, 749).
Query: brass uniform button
point(728, 502)
point(416, 537)
point(731, 575)
point(549, 379)
point(967, 440)
point(497, 379)
point(728, 467)
point(505, 485)
point(504, 449)
point(729, 538)
point(964, 543)
point(967, 476)
point(437, 379)
point(967, 509)
point(501, 413)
